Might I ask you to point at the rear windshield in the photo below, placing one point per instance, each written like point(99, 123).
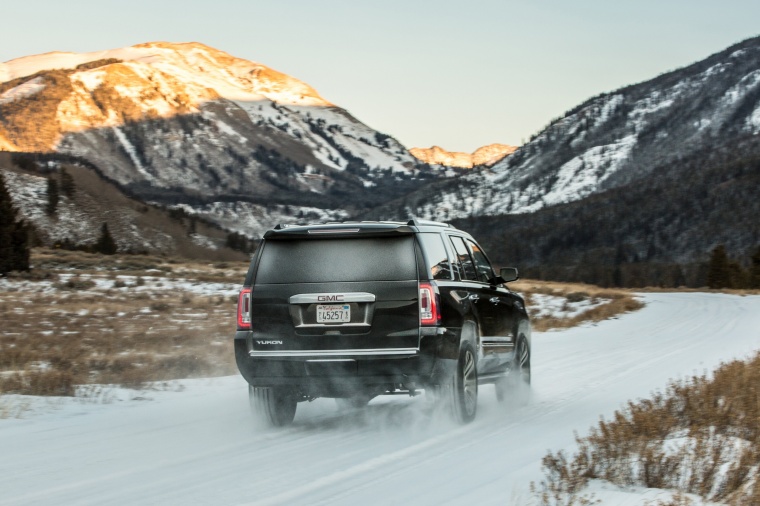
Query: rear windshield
point(326, 260)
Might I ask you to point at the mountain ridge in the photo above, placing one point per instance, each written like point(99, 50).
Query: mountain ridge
point(186, 124)
point(487, 155)
point(609, 140)
point(247, 164)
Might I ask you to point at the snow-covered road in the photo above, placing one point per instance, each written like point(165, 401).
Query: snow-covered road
point(199, 446)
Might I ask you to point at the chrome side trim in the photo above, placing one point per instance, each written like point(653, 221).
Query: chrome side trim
point(498, 339)
point(333, 353)
point(501, 344)
point(332, 298)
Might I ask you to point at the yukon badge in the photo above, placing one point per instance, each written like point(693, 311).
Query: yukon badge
point(268, 342)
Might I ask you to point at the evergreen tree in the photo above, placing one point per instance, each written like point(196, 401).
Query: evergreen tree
point(617, 274)
point(105, 244)
point(53, 196)
point(718, 272)
point(738, 276)
point(754, 276)
point(67, 184)
point(14, 245)
point(239, 242)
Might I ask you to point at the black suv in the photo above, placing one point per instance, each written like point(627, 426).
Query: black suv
point(358, 309)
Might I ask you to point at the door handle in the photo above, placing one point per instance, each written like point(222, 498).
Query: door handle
point(494, 300)
point(474, 296)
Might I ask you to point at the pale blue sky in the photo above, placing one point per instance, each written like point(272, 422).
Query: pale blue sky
point(453, 73)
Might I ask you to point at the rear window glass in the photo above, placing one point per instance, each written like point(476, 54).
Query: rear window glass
point(325, 260)
point(464, 260)
point(438, 259)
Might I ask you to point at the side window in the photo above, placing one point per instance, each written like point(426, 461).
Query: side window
point(466, 266)
point(437, 258)
point(482, 265)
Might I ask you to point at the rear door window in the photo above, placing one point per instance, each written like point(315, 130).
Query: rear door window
point(437, 257)
point(337, 260)
point(464, 260)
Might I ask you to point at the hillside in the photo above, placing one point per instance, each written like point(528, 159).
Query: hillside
point(610, 140)
point(632, 187)
point(656, 231)
point(85, 201)
point(186, 124)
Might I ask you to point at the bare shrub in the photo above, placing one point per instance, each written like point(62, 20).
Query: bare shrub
point(52, 382)
point(76, 283)
point(577, 296)
point(34, 275)
point(700, 437)
point(160, 307)
point(564, 483)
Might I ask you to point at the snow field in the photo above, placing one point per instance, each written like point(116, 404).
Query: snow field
point(199, 446)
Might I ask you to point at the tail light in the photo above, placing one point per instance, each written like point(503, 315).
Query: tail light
point(244, 309)
point(429, 305)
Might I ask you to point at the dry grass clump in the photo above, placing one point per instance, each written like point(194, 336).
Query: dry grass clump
point(702, 436)
point(127, 339)
point(613, 302)
point(13, 408)
point(63, 330)
point(83, 262)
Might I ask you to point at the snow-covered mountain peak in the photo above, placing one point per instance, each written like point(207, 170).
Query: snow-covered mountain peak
point(231, 77)
point(486, 155)
point(185, 124)
point(611, 140)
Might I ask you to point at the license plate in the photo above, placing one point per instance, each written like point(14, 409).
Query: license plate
point(333, 313)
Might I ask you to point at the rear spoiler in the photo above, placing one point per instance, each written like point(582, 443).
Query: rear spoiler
point(343, 230)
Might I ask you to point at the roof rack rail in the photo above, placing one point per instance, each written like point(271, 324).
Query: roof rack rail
point(417, 222)
point(282, 226)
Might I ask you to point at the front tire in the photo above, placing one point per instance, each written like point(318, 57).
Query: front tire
point(273, 406)
point(515, 388)
point(466, 386)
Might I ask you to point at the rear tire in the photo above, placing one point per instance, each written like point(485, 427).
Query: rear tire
point(459, 394)
point(273, 406)
point(515, 388)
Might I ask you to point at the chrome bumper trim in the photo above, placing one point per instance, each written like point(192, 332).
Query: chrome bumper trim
point(334, 353)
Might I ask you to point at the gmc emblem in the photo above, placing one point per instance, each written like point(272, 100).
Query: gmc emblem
point(330, 298)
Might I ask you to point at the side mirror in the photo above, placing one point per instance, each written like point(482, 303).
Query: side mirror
point(509, 274)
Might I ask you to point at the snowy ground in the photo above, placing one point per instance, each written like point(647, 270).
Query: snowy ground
point(198, 445)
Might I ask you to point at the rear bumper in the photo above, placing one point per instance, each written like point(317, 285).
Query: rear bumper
point(326, 373)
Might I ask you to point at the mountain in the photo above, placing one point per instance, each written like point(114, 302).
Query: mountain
point(656, 231)
point(188, 125)
point(633, 187)
point(609, 141)
point(486, 155)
